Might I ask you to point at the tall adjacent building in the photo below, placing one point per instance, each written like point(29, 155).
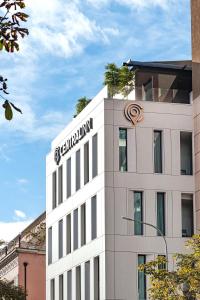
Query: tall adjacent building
point(132, 158)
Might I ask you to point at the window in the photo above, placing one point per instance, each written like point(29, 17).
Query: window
point(148, 90)
point(60, 184)
point(69, 285)
point(138, 213)
point(78, 283)
point(75, 229)
point(186, 153)
point(141, 279)
point(50, 245)
point(157, 151)
point(61, 287)
point(94, 217)
point(123, 149)
point(54, 190)
point(69, 177)
point(187, 215)
point(83, 225)
point(78, 170)
point(68, 231)
point(60, 239)
point(86, 162)
point(52, 289)
point(94, 156)
point(161, 213)
point(87, 280)
point(96, 279)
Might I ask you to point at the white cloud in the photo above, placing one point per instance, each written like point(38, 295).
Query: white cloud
point(9, 230)
point(22, 181)
point(164, 4)
point(20, 214)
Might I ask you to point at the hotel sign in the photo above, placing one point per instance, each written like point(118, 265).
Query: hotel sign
point(73, 140)
point(134, 113)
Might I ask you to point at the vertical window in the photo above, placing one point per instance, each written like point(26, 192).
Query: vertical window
point(83, 225)
point(96, 279)
point(94, 156)
point(87, 280)
point(75, 229)
point(86, 162)
point(50, 245)
point(141, 279)
point(68, 231)
point(54, 190)
point(61, 287)
point(186, 153)
point(123, 149)
point(78, 170)
point(157, 151)
point(138, 213)
point(187, 215)
point(69, 285)
point(52, 289)
point(161, 213)
point(94, 217)
point(78, 283)
point(148, 90)
point(60, 239)
point(60, 184)
point(69, 177)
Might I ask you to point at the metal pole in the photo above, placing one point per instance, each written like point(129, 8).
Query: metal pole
point(151, 225)
point(25, 266)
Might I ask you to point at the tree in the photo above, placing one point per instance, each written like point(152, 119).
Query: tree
point(10, 33)
point(81, 104)
point(119, 80)
point(181, 283)
point(8, 291)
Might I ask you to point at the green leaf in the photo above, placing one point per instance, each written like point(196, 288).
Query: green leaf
point(8, 111)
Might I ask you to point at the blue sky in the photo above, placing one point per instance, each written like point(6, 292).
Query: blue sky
point(63, 59)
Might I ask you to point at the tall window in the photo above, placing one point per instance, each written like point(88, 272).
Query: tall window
point(75, 229)
point(60, 184)
point(96, 279)
point(123, 149)
point(52, 289)
point(94, 155)
point(157, 151)
point(61, 287)
point(54, 190)
point(138, 213)
point(69, 285)
point(94, 217)
point(86, 162)
point(78, 283)
point(148, 90)
point(186, 153)
point(161, 212)
point(68, 231)
point(78, 170)
point(60, 239)
point(83, 225)
point(69, 177)
point(50, 245)
point(187, 215)
point(141, 279)
point(87, 280)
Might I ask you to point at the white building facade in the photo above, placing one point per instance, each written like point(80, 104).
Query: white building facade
point(117, 158)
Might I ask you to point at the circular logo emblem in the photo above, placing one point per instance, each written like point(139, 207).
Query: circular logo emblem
point(57, 155)
point(134, 113)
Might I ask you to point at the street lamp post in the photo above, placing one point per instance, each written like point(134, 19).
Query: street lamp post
point(155, 227)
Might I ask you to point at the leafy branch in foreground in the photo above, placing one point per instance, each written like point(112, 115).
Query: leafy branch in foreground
point(11, 31)
point(181, 283)
point(8, 291)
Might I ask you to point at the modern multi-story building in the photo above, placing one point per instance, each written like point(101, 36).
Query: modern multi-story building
point(22, 260)
point(117, 158)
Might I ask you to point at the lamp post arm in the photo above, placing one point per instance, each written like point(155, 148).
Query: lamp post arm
point(153, 226)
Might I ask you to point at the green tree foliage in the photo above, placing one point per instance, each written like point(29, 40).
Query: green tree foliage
point(119, 80)
point(183, 282)
point(8, 291)
point(81, 104)
point(11, 30)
